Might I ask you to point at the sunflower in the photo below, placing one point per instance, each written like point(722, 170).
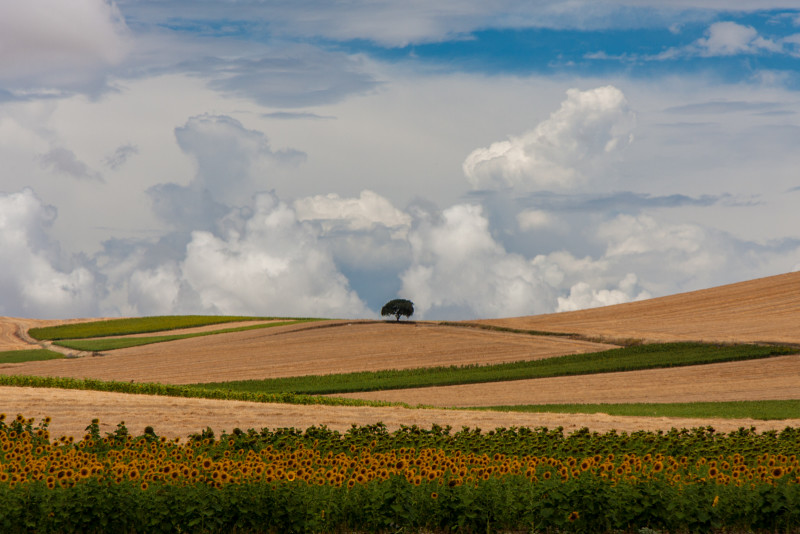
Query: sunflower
point(658, 466)
point(573, 516)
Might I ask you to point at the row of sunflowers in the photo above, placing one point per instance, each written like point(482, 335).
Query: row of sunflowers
point(370, 479)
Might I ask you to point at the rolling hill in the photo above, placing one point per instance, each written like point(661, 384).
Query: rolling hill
point(762, 310)
point(765, 310)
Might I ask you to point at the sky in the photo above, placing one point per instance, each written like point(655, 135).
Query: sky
point(318, 158)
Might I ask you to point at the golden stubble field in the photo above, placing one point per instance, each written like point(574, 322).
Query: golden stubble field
point(760, 310)
point(766, 309)
point(304, 349)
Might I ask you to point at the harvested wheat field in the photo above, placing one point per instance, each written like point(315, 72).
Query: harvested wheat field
point(767, 309)
point(177, 417)
point(776, 378)
point(304, 349)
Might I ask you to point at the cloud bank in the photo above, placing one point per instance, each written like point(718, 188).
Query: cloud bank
point(234, 244)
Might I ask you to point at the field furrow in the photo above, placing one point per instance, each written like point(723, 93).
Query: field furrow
point(766, 309)
point(771, 378)
point(177, 417)
point(307, 349)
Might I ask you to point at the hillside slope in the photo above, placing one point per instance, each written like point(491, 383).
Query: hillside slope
point(762, 310)
point(303, 349)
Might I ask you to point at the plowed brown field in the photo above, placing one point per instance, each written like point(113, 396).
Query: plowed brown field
point(174, 417)
point(773, 378)
point(767, 309)
point(303, 349)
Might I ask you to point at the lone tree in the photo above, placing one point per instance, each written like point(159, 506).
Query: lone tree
point(398, 307)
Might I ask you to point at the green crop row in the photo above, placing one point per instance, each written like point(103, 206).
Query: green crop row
point(497, 328)
point(167, 390)
point(615, 360)
point(137, 325)
point(764, 410)
point(113, 343)
point(761, 409)
point(31, 355)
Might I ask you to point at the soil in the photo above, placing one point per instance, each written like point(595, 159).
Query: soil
point(14, 333)
point(771, 378)
point(304, 349)
point(763, 310)
point(73, 410)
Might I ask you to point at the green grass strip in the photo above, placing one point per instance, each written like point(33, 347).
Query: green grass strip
point(137, 325)
point(762, 410)
point(623, 359)
point(166, 390)
point(34, 355)
point(105, 344)
point(498, 328)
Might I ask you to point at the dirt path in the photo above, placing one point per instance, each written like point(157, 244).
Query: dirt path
point(767, 309)
point(173, 417)
point(304, 349)
point(771, 378)
point(14, 334)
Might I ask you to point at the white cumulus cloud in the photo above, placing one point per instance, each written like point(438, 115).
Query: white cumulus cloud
point(729, 38)
point(582, 295)
point(230, 158)
point(233, 162)
point(36, 280)
point(361, 213)
point(275, 266)
point(459, 270)
point(560, 150)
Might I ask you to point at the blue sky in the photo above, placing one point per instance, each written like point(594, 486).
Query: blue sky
point(320, 158)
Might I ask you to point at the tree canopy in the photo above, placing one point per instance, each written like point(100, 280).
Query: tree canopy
point(398, 307)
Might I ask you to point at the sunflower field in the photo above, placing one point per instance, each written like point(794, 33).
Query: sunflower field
point(413, 480)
